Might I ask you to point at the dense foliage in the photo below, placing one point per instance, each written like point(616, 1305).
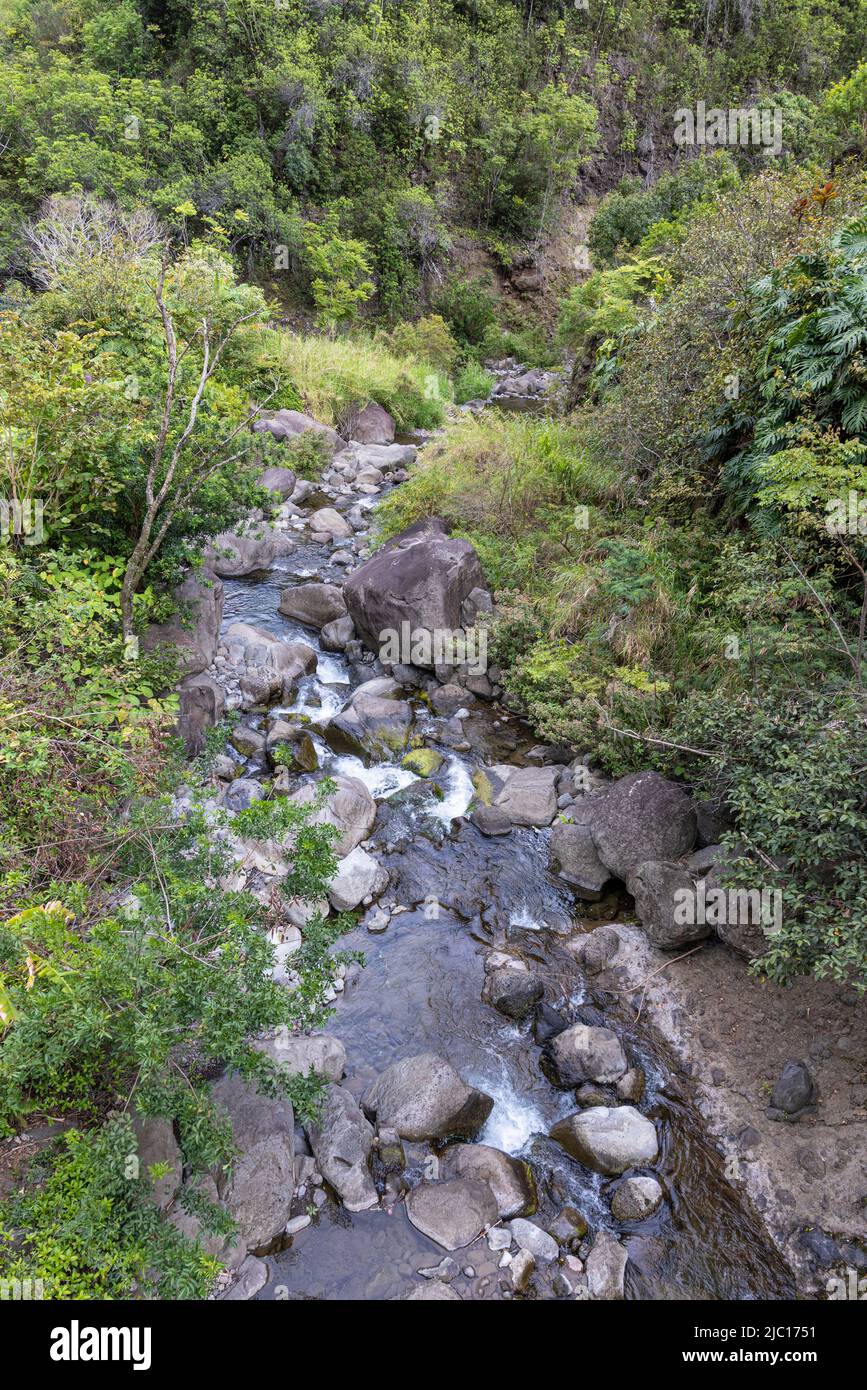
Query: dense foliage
point(211, 209)
point(683, 570)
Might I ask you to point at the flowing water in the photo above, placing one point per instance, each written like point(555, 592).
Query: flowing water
point(420, 991)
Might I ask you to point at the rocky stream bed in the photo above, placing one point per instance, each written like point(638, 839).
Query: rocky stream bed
point(504, 1121)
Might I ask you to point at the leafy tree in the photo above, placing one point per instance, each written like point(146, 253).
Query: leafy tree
point(340, 271)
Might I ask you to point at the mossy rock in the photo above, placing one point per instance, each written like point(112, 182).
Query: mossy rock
point(423, 761)
point(305, 754)
point(484, 788)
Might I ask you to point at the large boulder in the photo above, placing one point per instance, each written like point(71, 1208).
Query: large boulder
point(453, 1213)
point(386, 457)
point(350, 808)
point(288, 424)
point(424, 1098)
point(328, 521)
point(583, 1053)
point(510, 1179)
point(279, 480)
point(372, 425)
point(666, 905)
point(358, 876)
point(258, 1191)
point(335, 635)
point(421, 578)
point(608, 1139)
point(372, 725)
point(341, 1144)
point(290, 745)
point(253, 548)
point(322, 1054)
point(643, 816)
point(202, 704)
point(194, 633)
point(529, 794)
point(572, 855)
point(313, 604)
point(252, 646)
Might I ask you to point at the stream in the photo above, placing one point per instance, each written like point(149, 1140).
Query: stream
point(461, 894)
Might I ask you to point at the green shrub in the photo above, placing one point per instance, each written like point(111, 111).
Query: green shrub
point(469, 309)
point(472, 382)
point(626, 215)
point(86, 1226)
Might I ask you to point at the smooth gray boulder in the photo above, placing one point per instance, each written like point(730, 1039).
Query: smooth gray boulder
point(329, 521)
point(529, 1236)
point(279, 480)
point(288, 424)
point(320, 1053)
point(423, 1097)
point(510, 1179)
point(572, 855)
point(358, 876)
point(512, 991)
point(372, 425)
point(341, 1144)
point(529, 796)
point(314, 604)
point(335, 635)
point(248, 645)
point(350, 809)
point(388, 458)
point(454, 1212)
point(372, 726)
point(608, 1139)
point(259, 1190)
point(491, 820)
point(584, 1053)
point(421, 578)
point(643, 816)
point(254, 547)
point(665, 901)
point(252, 1277)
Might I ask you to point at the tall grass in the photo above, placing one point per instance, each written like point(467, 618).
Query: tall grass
point(502, 475)
point(335, 376)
